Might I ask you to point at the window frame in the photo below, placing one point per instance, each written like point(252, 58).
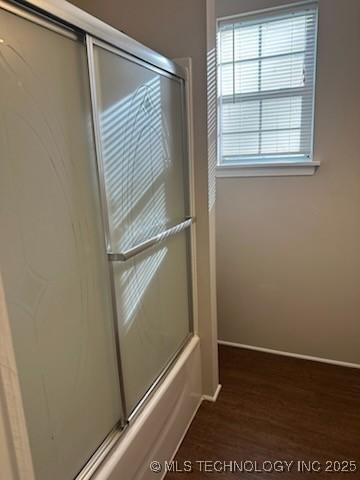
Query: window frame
point(275, 164)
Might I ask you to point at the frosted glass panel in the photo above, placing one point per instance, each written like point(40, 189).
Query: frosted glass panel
point(141, 126)
point(52, 256)
point(142, 140)
point(152, 298)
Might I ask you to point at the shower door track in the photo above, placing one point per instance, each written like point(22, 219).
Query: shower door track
point(64, 14)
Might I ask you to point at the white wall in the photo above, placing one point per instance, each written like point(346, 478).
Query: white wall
point(288, 248)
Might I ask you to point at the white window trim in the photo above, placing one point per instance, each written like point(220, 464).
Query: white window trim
point(274, 169)
point(269, 169)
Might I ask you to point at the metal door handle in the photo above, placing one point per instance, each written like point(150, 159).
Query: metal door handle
point(131, 252)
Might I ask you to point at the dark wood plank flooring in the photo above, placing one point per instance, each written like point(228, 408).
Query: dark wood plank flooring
point(275, 408)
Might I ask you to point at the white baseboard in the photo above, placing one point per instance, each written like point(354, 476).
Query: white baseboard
point(289, 354)
point(212, 398)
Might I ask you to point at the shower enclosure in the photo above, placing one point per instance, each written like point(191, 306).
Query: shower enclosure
point(96, 225)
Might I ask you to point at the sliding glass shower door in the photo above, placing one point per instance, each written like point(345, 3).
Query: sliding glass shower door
point(53, 264)
point(95, 232)
point(143, 159)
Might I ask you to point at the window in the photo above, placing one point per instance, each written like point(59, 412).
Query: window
point(266, 72)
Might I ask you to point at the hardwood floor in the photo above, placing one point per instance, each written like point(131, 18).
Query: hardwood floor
point(274, 408)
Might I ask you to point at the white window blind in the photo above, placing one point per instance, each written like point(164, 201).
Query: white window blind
point(266, 72)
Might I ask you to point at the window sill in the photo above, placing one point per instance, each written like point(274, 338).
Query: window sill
point(275, 169)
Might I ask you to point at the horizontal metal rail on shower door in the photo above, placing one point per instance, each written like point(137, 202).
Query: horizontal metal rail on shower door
point(150, 242)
